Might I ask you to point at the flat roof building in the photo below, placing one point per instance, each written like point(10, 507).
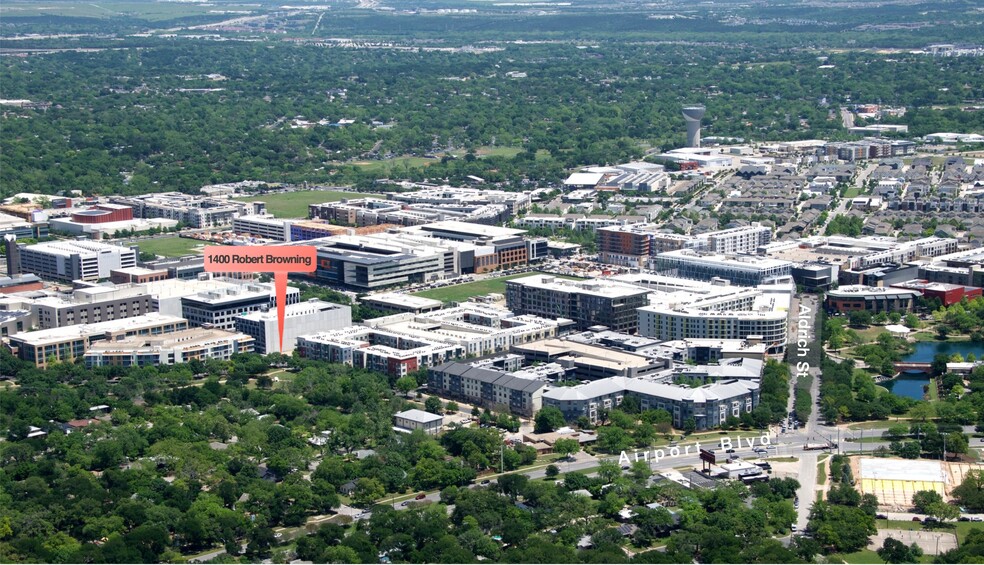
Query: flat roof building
point(74, 260)
point(479, 329)
point(850, 298)
point(587, 302)
point(299, 319)
point(219, 308)
point(176, 347)
point(397, 302)
point(264, 226)
point(744, 270)
point(414, 419)
point(71, 342)
point(376, 349)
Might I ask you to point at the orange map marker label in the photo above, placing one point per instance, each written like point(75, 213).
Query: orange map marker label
point(277, 259)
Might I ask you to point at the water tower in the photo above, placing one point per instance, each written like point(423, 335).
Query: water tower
point(693, 114)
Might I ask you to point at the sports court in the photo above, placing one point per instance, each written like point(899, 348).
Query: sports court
point(932, 543)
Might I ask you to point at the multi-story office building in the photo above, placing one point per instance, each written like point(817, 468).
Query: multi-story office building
point(744, 270)
point(508, 246)
point(588, 303)
point(851, 298)
point(177, 347)
point(371, 262)
point(709, 405)
point(71, 342)
point(219, 308)
point(72, 260)
point(489, 388)
point(264, 226)
point(299, 319)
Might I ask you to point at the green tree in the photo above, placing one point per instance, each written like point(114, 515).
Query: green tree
point(894, 551)
point(548, 419)
point(565, 447)
point(406, 384)
point(433, 405)
point(367, 491)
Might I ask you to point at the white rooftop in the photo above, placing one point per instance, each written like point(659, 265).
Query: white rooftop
point(406, 300)
point(584, 179)
point(418, 416)
point(902, 470)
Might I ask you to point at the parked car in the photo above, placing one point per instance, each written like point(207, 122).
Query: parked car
point(420, 496)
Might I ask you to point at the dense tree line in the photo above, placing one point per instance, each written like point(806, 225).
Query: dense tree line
point(150, 119)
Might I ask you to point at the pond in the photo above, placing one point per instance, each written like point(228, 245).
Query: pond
point(927, 350)
point(912, 385)
point(909, 385)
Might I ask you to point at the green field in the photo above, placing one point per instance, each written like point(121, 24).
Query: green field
point(295, 204)
point(171, 246)
point(151, 11)
point(462, 292)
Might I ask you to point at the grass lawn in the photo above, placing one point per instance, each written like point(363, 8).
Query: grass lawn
point(852, 192)
point(870, 334)
point(875, 425)
point(932, 393)
point(822, 473)
point(462, 292)
point(153, 11)
point(295, 204)
point(931, 336)
point(172, 246)
point(863, 556)
point(867, 556)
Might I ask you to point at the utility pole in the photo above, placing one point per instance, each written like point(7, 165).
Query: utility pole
point(502, 464)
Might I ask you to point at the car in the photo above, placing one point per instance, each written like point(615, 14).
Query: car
point(963, 519)
point(486, 481)
point(881, 516)
point(976, 519)
point(730, 451)
point(916, 519)
point(793, 528)
point(420, 496)
point(278, 535)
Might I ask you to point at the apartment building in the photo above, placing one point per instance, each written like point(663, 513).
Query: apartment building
point(71, 342)
point(488, 388)
point(177, 347)
point(709, 405)
point(263, 226)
